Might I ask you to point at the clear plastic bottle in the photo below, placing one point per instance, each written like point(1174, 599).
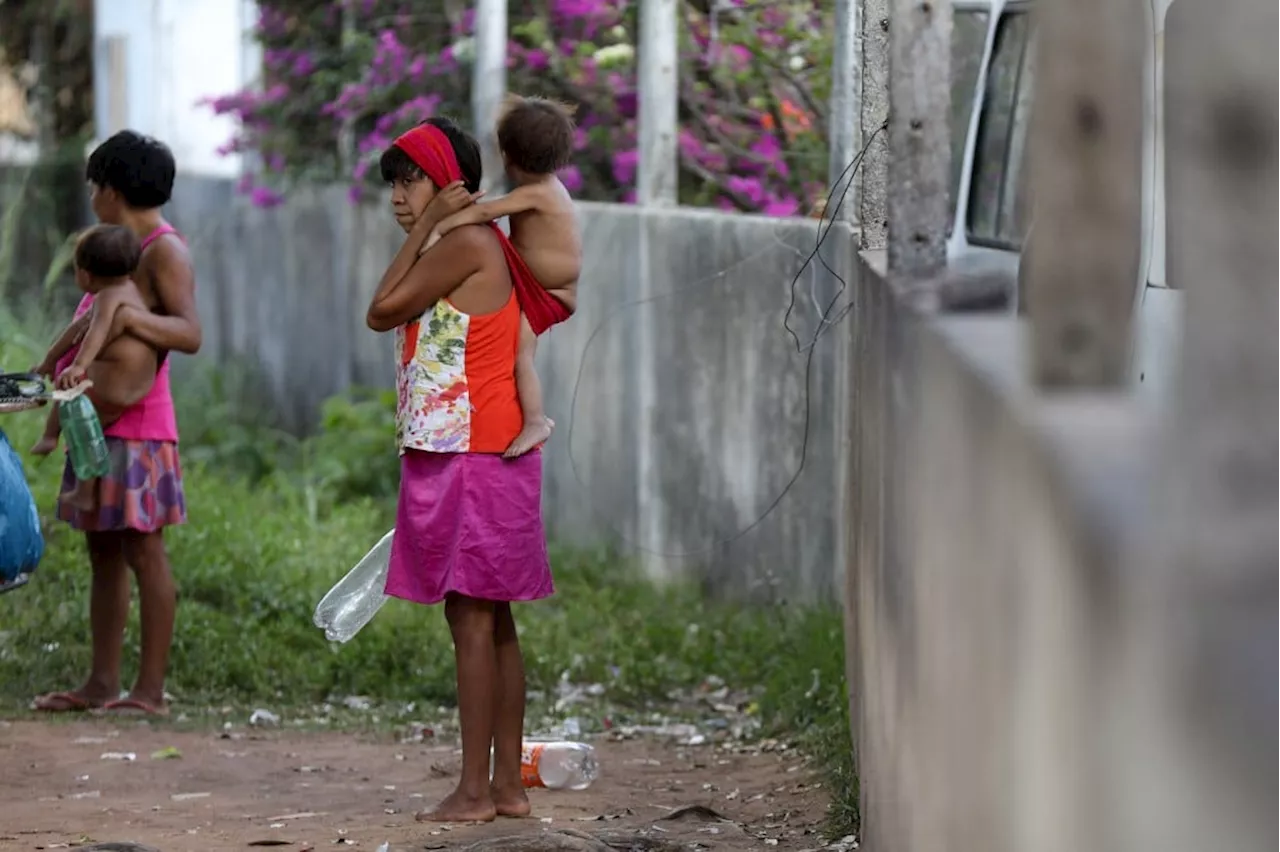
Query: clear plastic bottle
point(558, 765)
point(356, 598)
point(86, 444)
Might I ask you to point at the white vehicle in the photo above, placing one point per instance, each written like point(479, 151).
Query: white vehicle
point(993, 72)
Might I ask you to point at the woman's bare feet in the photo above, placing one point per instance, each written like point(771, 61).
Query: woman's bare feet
point(510, 802)
point(534, 434)
point(459, 807)
point(46, 445)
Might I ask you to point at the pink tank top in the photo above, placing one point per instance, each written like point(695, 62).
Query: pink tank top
point(150, 418)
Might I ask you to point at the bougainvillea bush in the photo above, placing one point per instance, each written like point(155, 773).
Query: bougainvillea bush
point(342, 78)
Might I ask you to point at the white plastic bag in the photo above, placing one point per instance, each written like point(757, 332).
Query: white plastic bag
point(356, 598)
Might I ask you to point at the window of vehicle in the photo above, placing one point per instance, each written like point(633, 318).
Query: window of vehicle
point(998, 204)
point(968, 41)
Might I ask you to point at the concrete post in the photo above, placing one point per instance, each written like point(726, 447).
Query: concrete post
point(1082, 279)
point(845, 118)
point(657, 176)
point(117, 79)
point(919, 138)
point(1205, 633)
point(489, 86)
point(873, 214)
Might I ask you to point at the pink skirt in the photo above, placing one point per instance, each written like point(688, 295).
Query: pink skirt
point(469, 524)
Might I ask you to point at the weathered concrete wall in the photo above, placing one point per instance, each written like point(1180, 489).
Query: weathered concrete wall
point(684, 409)
point(994, 532)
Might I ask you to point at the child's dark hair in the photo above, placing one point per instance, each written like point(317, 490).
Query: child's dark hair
point(139, 168)
point(108, 252)
point(536, 134)
point(396, 165)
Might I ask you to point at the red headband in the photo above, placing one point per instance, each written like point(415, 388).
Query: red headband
point(431, 151)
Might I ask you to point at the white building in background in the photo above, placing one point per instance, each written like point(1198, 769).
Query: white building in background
point(156, 60)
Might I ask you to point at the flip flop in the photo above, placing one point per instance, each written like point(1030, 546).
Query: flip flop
point(131, 707)
point(63, 702)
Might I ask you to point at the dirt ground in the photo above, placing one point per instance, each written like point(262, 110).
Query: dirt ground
point(310, 791)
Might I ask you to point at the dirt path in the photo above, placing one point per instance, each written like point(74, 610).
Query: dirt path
point(312, 791)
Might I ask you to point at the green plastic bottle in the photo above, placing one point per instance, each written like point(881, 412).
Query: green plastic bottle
point(86, 444)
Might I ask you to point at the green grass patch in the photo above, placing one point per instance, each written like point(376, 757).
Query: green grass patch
point(268, 535)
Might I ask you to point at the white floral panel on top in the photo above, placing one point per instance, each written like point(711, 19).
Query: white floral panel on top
point(433, 402)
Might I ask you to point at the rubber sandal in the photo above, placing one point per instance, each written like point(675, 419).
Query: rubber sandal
point(63, 702)
point(131, 707)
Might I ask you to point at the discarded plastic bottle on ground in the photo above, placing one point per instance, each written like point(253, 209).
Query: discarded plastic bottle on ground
point(558, 765)
point(357, 597)
point(86, 444)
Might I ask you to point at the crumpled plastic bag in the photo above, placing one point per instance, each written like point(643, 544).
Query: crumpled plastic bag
point(21, 541)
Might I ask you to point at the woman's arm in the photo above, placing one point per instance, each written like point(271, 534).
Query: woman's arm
point(446, 202)
point(430, 279)
point(178, 327)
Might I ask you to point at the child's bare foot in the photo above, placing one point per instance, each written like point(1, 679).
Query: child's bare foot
point(459, 807)
point(533, 435)
point(84, 496)
point(513, 802)
point(46, 445)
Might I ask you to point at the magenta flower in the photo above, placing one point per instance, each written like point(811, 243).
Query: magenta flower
point(624, 166)
point(571, 177)
point(265, 197)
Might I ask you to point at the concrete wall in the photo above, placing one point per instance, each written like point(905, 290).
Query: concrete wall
point(684, 408)
point(1005, 691)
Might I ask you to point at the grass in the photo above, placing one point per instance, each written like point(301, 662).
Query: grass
point(266, 540)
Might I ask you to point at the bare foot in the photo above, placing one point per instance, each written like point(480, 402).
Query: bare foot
point(532, 436)
point(513, 802)
point(46, 445)
point(458, 807)
point(84, 496)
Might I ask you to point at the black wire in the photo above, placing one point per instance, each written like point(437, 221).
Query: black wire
point(825, 323)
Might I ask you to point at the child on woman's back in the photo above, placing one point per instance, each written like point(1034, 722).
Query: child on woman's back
point(122, 369)
point(536, 139)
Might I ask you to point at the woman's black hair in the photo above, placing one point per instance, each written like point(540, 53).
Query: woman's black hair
point(141, 169)
point(396, 165)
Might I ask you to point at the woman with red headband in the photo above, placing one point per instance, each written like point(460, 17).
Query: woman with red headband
point(469, 523)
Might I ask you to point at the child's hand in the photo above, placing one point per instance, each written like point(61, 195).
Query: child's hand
point(450, 200)
point(70, 377)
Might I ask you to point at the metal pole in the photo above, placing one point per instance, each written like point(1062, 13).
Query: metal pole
point(489, 86)
point(845, 129)
point(657, 175)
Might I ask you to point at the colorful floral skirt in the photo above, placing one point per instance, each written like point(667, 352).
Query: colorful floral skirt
point(469, 524)
point(142, 490)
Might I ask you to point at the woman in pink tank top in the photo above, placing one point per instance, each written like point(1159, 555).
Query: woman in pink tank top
point(130, 178)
